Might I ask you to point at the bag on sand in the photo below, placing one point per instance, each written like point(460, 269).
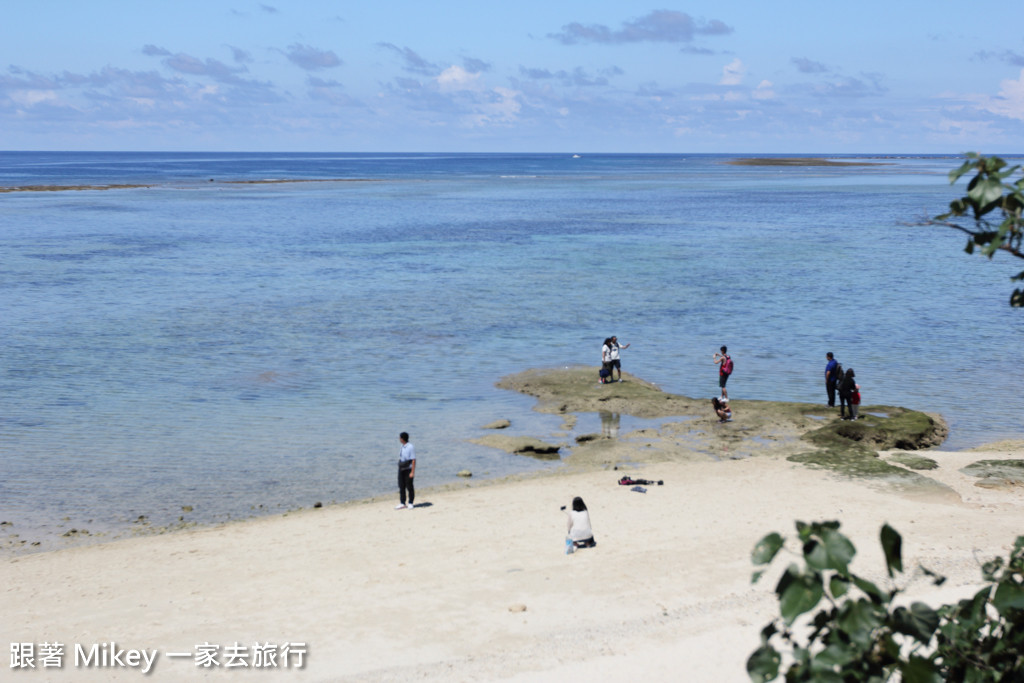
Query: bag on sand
point(604, 373)
point(629, 481)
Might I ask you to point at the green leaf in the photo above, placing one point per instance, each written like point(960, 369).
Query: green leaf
point(840, 551)
point(756, 576)
point(829, 549)
point(835, 655)
point(798, 593)
point(763, 664)
point(858, 620)
point(937, 579)
point(990, 570)
point(1018, 545)
point(975, 607)
point(1008, 596)
point(919, 670)
point(838, 586)
point(955, 174)
point(815, 554)
point(870, 589)
point(992, 164)
point(766, 549)
point(892, 544)
point(983, 192)
point(821, 673)
point(920, 621)
point(1004, 174)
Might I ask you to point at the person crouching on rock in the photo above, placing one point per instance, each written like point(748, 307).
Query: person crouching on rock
point(579, 524)
point(722, 409)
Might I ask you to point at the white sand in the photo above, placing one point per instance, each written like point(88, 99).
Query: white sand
point(437, 593)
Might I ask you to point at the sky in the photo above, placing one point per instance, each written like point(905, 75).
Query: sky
point(795, 76)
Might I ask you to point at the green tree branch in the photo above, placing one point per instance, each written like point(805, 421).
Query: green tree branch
point(859, 635)
point(994, 209)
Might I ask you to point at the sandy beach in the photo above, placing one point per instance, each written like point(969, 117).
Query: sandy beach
point(473, 584)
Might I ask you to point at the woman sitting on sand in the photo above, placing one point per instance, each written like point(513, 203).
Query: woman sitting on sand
point(579, 524)
point(722, 409)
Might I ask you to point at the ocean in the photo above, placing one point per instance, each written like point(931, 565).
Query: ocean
point(220, 344)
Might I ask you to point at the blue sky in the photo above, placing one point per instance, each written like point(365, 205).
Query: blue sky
point(563, 75)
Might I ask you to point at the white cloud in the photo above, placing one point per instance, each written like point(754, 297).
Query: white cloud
point(455, 78)
point(501, 108)
point(506, 106)
point(1010, 101)
point(732, 73)
point(763, 91)
point(965, 129)
point(28, 98)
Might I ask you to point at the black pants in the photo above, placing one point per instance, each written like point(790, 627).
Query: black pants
point(405, 482)
point(831, 388)
point(844, 402)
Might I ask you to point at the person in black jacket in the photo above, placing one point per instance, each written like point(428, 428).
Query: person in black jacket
point(846, 388)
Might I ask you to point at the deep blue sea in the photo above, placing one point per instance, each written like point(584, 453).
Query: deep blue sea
point(247, 347)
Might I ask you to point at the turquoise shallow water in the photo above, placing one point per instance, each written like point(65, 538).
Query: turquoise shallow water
point(230, 346)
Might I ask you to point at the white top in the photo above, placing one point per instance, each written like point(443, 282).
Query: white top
point(614, 352)
point(407, 454)
point(606, 353)
point(579, 524)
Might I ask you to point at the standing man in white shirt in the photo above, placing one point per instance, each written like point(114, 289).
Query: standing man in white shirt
point(406, 472)
point(615, 363)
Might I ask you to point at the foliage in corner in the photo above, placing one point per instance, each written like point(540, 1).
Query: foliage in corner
point(992, 189)
point(859, 634)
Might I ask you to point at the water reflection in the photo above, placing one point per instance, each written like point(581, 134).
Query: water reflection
point(610, 424)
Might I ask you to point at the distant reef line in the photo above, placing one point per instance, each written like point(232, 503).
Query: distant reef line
point(798, 161)
point(134, 186)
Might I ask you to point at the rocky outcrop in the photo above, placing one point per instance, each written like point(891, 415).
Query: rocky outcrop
point(521, 445)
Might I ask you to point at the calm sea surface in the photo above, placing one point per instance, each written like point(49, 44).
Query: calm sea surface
point(228, 346)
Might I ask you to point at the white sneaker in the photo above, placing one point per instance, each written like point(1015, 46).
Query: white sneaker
point(400, 506)
point(409, 506)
